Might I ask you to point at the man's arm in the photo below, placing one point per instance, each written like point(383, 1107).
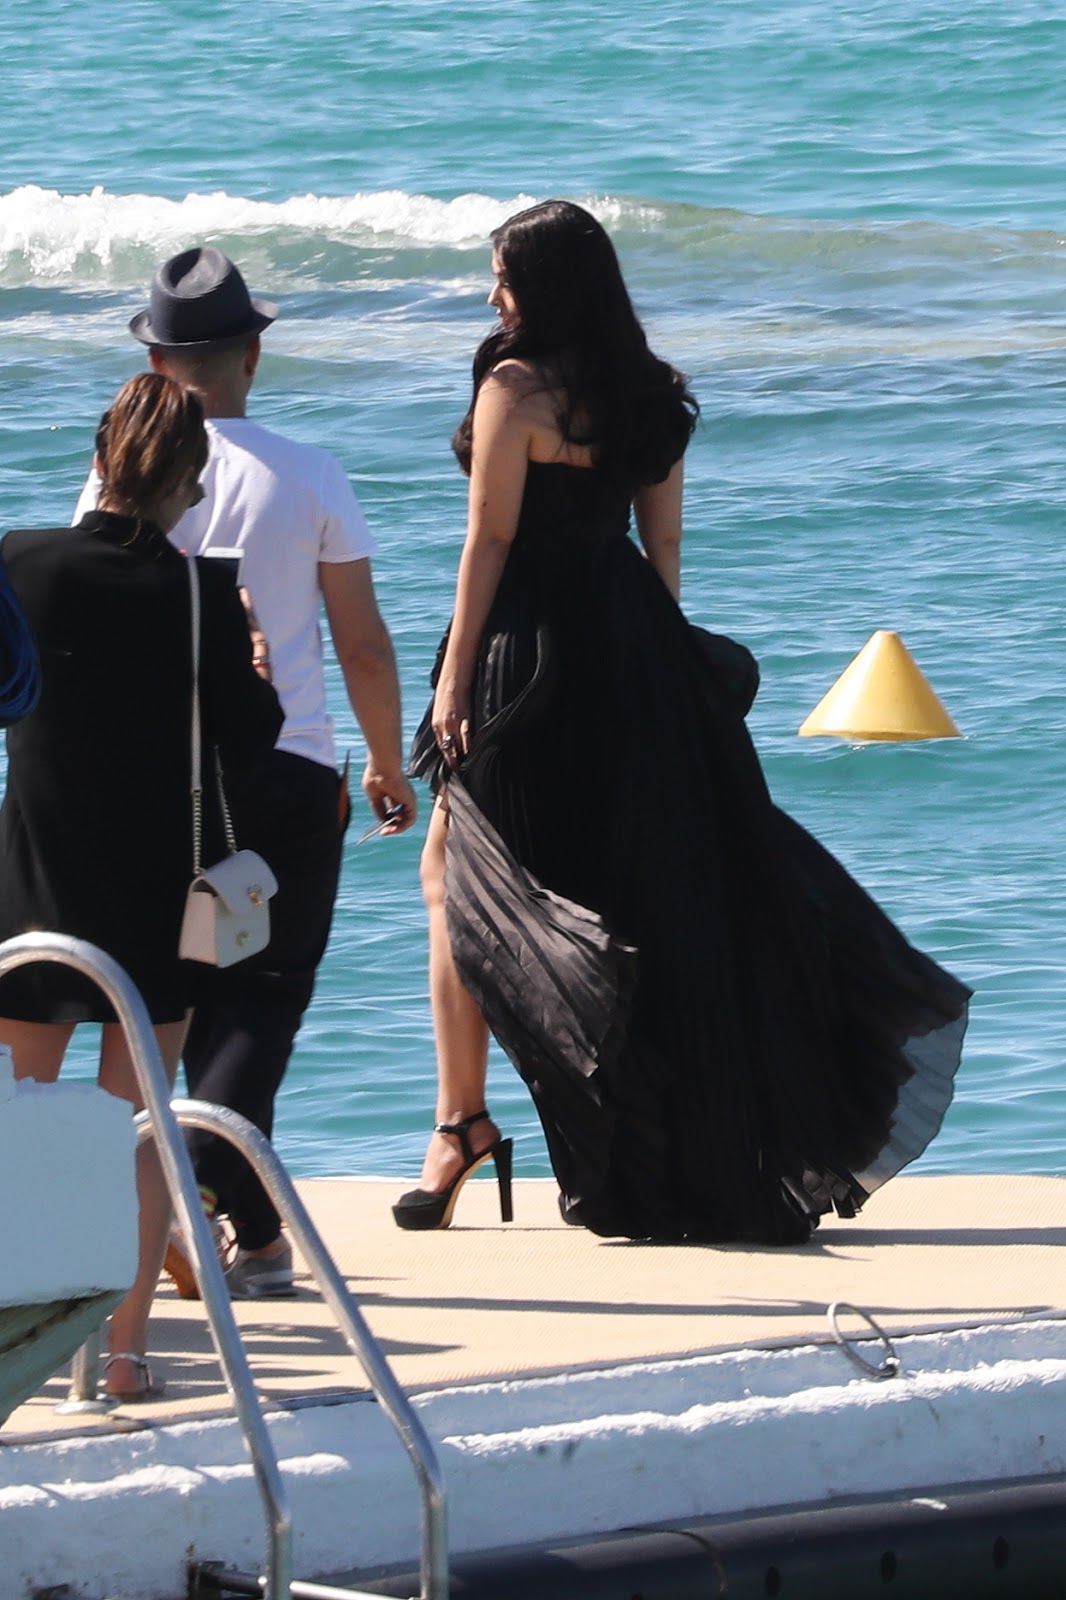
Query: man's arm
point(88, 498)
point(368, 663)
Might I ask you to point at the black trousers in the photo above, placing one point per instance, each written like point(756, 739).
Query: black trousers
point(247, 1018)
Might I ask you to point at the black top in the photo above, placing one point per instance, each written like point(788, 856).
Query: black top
point(95, 828)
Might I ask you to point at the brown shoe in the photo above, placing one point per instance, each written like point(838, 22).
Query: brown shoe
point(177, 1263)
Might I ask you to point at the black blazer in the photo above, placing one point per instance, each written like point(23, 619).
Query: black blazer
point(95, 827)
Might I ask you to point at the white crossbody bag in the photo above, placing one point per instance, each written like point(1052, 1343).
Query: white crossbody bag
point(227, 910)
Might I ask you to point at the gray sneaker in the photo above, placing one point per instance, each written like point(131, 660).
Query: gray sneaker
point(253, 1277)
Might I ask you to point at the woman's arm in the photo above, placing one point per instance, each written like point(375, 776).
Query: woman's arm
point(658, 509)
point(502, 430)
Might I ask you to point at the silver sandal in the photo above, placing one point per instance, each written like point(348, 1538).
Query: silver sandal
point(149, 1390)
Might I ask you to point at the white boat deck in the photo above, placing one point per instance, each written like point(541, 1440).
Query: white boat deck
point(484, 1301)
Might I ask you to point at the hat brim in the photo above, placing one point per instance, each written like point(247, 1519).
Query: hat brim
point(264, 312)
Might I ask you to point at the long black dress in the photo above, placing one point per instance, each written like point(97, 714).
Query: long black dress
point(95, 828)
point(723, 1035)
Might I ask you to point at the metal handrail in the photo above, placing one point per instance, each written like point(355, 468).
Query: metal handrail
point(260, 1154)
point(84, 1395)
point(152, 1081)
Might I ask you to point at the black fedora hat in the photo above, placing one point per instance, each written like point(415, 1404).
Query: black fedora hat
point(200, 298)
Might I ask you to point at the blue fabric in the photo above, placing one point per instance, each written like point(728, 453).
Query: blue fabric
point(20, 667)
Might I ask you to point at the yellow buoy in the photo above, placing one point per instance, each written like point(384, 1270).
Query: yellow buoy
point(882, 695)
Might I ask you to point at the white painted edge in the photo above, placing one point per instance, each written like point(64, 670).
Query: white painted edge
point(539, 1459)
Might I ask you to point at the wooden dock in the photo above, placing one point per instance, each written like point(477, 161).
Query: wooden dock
point(484, 1301)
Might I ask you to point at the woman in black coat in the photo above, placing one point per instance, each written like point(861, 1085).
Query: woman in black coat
point(95, 828)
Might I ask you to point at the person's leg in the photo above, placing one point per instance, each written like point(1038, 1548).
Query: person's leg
point(128, 1329)
point(236, 1054)
point(245, 1026)
point(462, 1037)
point(37, 1048)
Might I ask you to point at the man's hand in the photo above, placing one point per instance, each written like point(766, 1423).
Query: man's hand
point(385, 794)
point(260, 642)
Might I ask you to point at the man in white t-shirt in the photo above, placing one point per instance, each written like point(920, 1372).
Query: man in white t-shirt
point(304, 542)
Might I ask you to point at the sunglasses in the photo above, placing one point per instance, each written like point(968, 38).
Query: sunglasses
point(393, 814)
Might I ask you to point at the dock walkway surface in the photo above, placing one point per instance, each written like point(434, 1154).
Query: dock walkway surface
point(571, 1385)
point(482, 1300)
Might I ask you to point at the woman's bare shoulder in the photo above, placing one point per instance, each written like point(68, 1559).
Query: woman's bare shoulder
point(519, 369)
point(517, 379)
point(525, 390)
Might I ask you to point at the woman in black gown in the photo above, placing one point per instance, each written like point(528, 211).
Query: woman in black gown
point(723, 1035)
point(96, 825)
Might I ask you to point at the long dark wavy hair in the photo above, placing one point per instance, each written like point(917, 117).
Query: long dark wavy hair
point(577, 324)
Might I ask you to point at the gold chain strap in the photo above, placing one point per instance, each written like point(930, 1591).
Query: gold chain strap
point(227, 823)
point(197, 831)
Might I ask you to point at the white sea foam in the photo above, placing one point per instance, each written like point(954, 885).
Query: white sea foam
point(105, 240)
point(102, 240)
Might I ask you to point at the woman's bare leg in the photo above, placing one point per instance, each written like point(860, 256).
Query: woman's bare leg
point(129, 1321)
point(461, 1033)
point(37, 1048)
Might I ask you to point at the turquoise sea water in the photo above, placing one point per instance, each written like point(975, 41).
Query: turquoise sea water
point(843, 221)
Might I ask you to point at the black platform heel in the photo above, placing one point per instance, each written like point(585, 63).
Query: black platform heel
point(421, 1210)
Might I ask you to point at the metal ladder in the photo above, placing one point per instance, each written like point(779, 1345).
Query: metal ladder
point(162, 1120)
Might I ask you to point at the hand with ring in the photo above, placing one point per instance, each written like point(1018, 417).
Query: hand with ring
point(451, 722)
point(450, 748)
